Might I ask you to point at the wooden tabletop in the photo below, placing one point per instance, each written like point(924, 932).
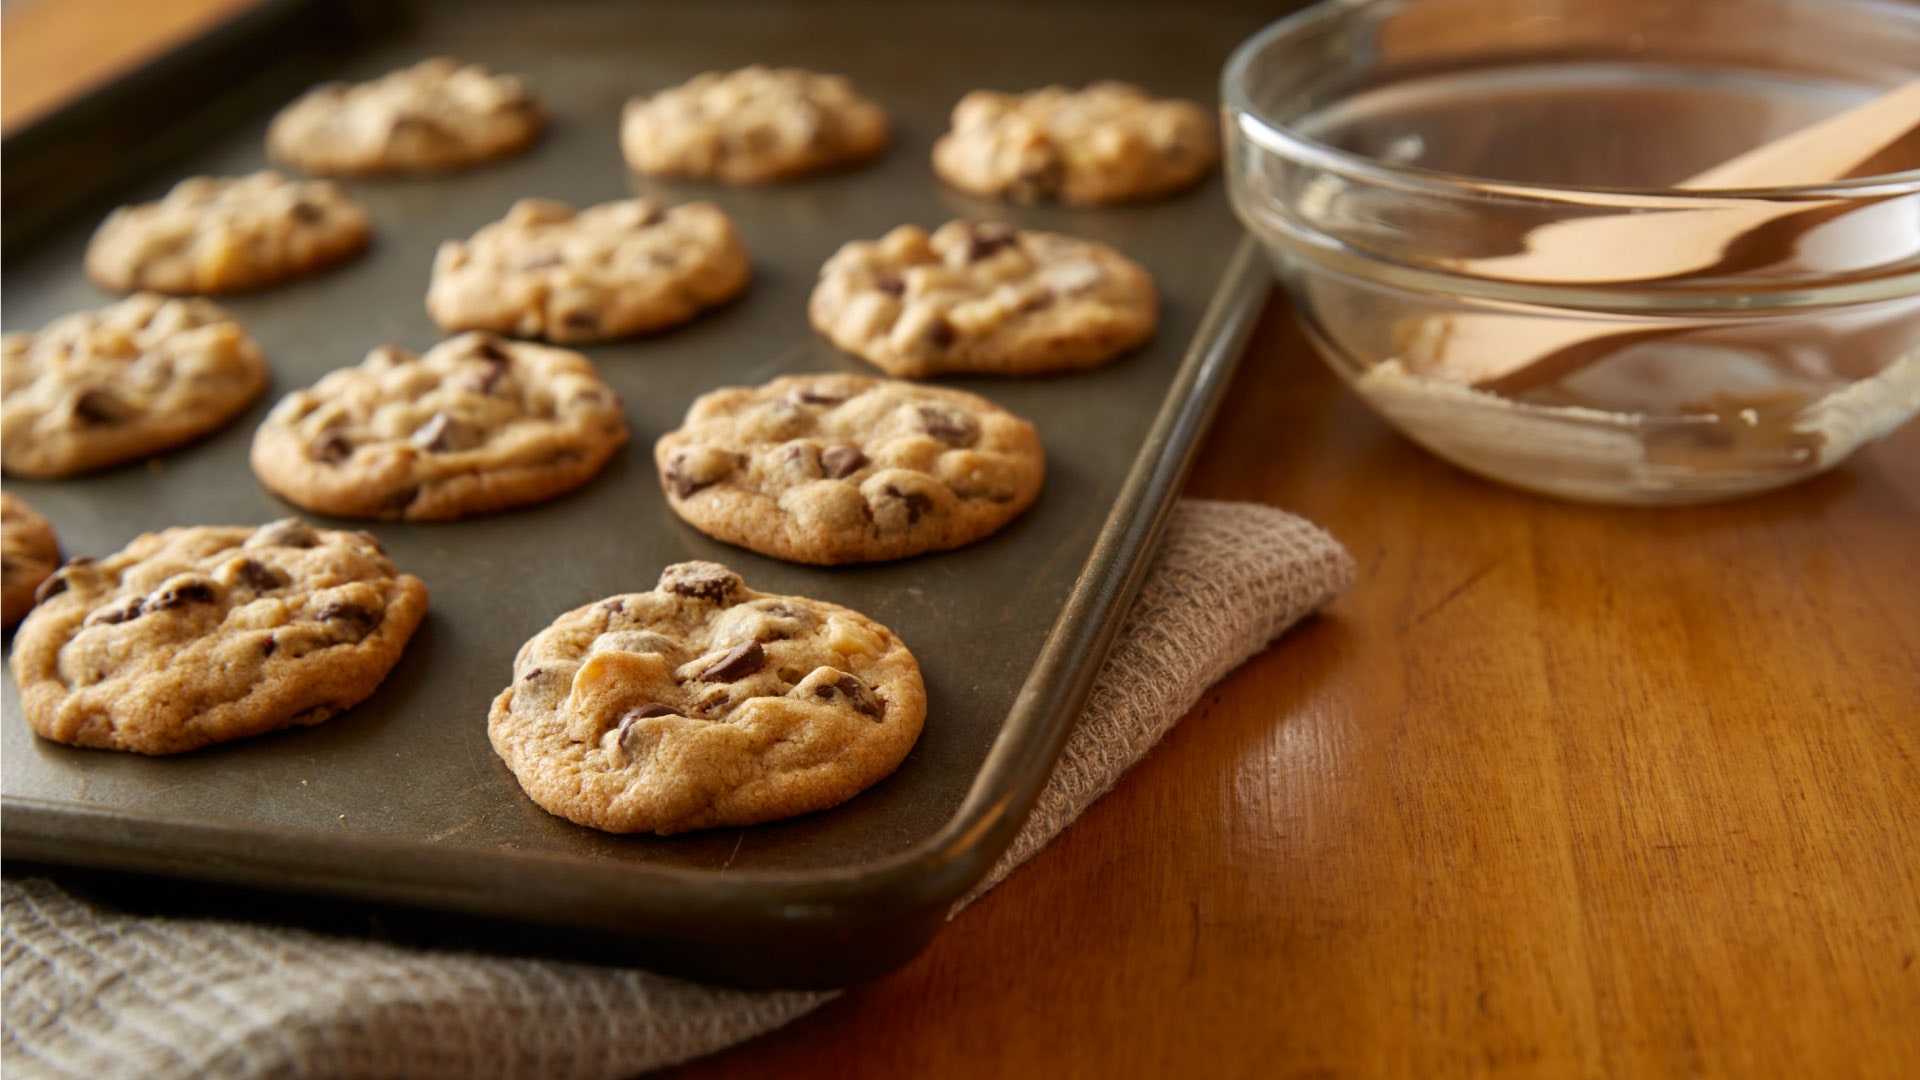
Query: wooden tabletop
point(1555, 791)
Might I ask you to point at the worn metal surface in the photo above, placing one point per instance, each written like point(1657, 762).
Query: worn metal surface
point(402, 799)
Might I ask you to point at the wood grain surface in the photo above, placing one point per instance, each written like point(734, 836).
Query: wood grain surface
point(1555, 791)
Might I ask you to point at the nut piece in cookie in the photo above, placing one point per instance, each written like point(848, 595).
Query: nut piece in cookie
point(437, 116)
point(474, 425)
point(703, 704)
point(751, 126)
point(1108, 143)
point(28, 554)
point(983, 298)
point(609, 271)
point(842, 468)
point(214, 235)
point(97, 388)
point(199, 635)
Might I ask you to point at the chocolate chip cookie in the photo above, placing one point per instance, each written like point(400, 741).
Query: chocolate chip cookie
point(609, 271)
point(751, 126)
point(983, 299)
point(437, 116)
point(704, 703)
point(28, 553)
point(474, 425)
point(199, 635)
point(843, 468)
point(97, 388)
point(225, 235)
point(1108, 143)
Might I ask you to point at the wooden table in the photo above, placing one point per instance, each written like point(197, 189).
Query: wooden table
point(1555, 791)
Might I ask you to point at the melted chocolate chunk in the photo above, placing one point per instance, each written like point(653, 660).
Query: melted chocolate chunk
point(840, 462)
point(952, 428)
point(581, 320)
point(354, 619)
point(193, 592)
point(890, 283)
point(433, 436)
point(488, 347)
point(287, 532)
point(267, 647)
point(741, 661)
point(808, 395)
point(51, 587)
point(97, 406)
point(307, 212)
point(702, 581)
point(652, 216)
point(258, 576)
point(332, 447)
point(988, 237)
point(113, 616)
point(484, 380)
point(855, 692)
point(916, 503)
point(941, 333)
point(532, 675)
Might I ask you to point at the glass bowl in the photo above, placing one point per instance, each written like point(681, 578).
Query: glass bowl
point(1473, 205)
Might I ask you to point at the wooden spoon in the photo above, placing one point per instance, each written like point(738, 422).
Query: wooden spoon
point(1512, 352)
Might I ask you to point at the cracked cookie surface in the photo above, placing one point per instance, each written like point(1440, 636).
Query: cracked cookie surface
point(437, 116)
point(703, 703)
point(222, 235)
point(28, 553)
point(200, 635)
point(844, 468)
point(474, 425)
point(753, 125)
point(609, 271)
point(1109, 143)
point(97, 388)
point(982, 298)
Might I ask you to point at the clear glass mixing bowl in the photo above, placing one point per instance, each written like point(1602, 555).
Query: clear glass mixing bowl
point(1400, 158)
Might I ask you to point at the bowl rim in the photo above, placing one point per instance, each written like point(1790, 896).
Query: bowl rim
point(1258, 127)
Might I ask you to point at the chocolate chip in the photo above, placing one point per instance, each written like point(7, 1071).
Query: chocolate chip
point(356, 620)
point(306, 211)
point(97, 406)
point(542, 262)
point(267, 647)
point(648, 712)
point(1038, 183)
point(483, 380)
point(432, 436)
point(682, 485)
point(113, 616)
point(372, 540)
point(651, 216)
point(741, 661)
point(701, 581)
point(532, 675)
point(615, 606)
point(287, 532)
point(841, 462)
point(808, 395)
point(51, 587)
point(890, 283)
point(488, 347)
point(988, 237)
point(855, 692)
point(332, 447)
point(941, 333)
point(581, 320)
point(257, 576)
point(952, 428)
point(915, 502)
point(193, 592)
point(398, 502)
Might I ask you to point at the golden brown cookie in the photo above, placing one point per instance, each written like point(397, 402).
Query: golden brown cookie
point(984, 299)
point(28, 553)
point(199, 635)
point(1108, 143)
point(751, 126)
point(609, 271)
point(437, 116)
point(704, 703)
point(474, 425)
point(124, 382)
point(842, 468)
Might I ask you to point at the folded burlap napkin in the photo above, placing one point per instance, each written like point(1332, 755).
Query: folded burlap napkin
point(92, 993)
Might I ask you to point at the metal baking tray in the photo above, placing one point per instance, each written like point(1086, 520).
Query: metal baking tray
point(401, 801)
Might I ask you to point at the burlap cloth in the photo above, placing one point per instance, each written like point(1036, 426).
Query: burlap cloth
point(93, 993)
